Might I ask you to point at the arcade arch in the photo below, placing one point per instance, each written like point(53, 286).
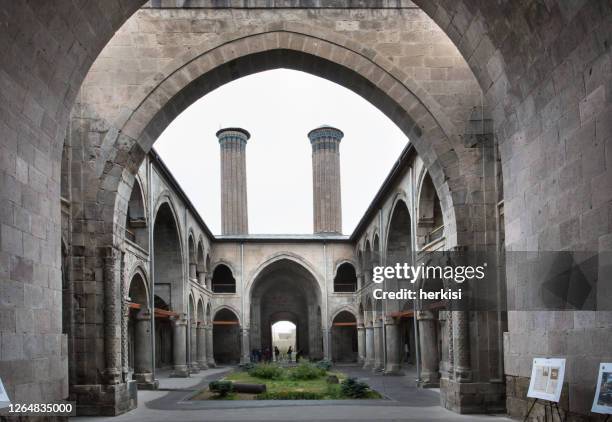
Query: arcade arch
point(286, 290)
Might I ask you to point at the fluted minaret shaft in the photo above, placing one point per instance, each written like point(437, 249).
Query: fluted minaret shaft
point(234, 215)
point(325, 141)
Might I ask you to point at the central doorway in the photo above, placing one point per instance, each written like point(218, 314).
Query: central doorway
point(285, 291)
point(284, 336)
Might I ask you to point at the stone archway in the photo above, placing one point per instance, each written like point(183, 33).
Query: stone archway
point(344, 337)
point(285, 290)
point(226, 337)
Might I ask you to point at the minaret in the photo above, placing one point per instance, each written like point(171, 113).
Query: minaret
point(234, 217)
point(325, 141)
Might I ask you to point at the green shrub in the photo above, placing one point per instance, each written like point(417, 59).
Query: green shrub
point(307, 371)
point(291, 395)
point(353, 388)
point(333, 392)
point(221, 388)
point(324, 364)
point(267, 371)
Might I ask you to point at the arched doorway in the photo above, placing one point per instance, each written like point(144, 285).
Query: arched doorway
point(140, 357)
point(164, 335)
point(286, 290)
point(226, 337)
point(168, 288)
point(344, 338)
point(284, 337)
point(345, 280)
point(401, 346)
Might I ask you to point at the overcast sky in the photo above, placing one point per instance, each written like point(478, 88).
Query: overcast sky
point(279, 108)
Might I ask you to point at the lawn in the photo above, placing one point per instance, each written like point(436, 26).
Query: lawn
point(284, 386)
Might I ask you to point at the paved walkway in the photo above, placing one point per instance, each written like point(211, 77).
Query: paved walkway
point(403, 402)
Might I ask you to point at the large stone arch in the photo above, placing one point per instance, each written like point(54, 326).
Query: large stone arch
point(285, 289)
point(296, 47)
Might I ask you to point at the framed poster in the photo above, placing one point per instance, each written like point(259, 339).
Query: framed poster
point(603, 394)
point(546, 379)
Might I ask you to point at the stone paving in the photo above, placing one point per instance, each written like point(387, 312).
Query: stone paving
point(403, 402)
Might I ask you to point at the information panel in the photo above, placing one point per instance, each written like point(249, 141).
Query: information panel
point(603, 395)
point(547, 379)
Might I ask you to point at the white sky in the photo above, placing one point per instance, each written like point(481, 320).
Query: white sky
point(279, 107)
point(283, 327)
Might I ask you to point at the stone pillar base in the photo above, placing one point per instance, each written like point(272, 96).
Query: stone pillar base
point(472, 397)
point(194, 368)
point(180, 372)
point(203, 365)
point(393, 369)
point(145, 381)
point(104, 400)
point(151, 385)
point(368, 364)
point(212, 364)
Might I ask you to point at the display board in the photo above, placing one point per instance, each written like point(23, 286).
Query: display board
point(547, 379)
point(603, 394)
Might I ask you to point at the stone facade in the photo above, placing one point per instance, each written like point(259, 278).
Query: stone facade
point(533, 77)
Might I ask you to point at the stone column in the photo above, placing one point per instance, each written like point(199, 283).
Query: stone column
point(193, 271)
point(201, 346)
point(194, 367)
point(428, 340)
point(179, 348)
point(369, 346)
point(112, 315)
point(326, 348)
point(143, 358)
point(325, 141)
point(461, 346)
point(246, 349)
point(210, 357)
point(361, 344)
point(234, 216)
point(378, 350)
point(202, 278)
point(444, 361)
point(393, 347)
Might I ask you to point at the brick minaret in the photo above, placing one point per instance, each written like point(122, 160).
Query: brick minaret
point(234, 217)
point(325, 141)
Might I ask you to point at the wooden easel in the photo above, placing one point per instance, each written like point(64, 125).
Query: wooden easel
point(547, 403)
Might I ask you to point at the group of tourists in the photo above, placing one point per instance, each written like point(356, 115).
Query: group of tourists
point(257, 355)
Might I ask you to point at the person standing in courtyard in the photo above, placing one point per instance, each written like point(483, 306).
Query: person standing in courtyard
point(276, 353)
point(289, 352)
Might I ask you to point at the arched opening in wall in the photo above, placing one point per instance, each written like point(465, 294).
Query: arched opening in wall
point(286, 290)
point(168, 258)
point(407, 337)
point(430, 225)
point(164, 335)
point(284, 339)
point(399, 241)
point(344, 338)
point(223, 280)
point(193, 266)
point(367, 264)
point(345, 280)
point(376, 258)
point(136, 220)
point(139, 329)
point(201, 265)
point(226, 337)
